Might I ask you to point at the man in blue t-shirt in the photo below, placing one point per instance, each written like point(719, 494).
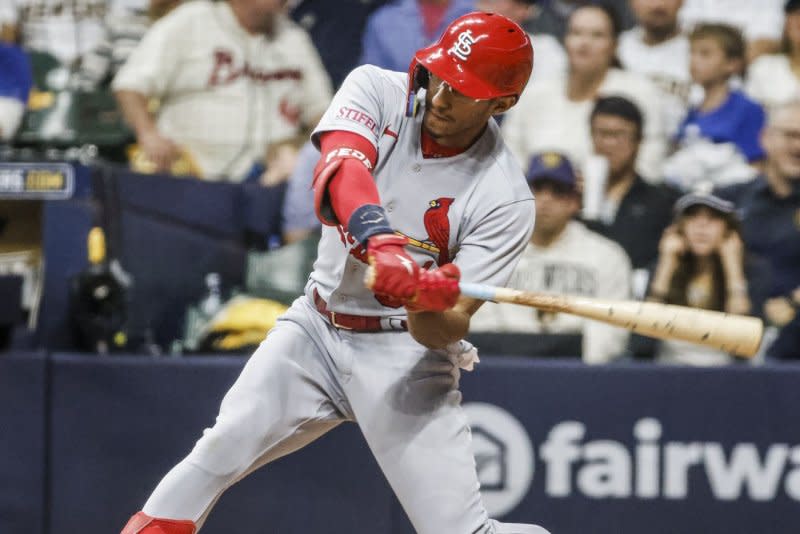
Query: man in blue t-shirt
point(724, 115)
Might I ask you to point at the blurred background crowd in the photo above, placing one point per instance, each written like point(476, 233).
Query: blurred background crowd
point(661, 139)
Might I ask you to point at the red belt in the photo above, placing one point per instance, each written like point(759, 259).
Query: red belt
point(358, 323)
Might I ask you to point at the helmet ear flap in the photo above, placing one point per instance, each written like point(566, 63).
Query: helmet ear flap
point(418, 78)
point(421, 77)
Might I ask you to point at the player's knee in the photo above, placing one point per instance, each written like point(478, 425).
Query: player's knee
point(217, 454)
point(230, 447)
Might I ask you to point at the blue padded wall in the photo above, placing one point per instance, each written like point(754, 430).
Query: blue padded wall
point(22, 443)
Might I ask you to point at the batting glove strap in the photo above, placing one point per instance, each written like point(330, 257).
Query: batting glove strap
point(367, 221)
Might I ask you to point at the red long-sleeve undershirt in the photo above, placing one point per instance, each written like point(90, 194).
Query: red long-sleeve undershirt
point(352, 186)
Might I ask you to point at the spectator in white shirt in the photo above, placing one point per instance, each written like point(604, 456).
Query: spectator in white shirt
point(554, 114)
point(774, 80)
point(233, 78)
point(759, 20)
point(563, 257)
point(657, 49)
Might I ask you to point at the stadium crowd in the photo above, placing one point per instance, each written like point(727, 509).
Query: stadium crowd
point(661, 138)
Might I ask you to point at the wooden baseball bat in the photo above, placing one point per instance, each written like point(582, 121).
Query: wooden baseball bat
point(736, 334)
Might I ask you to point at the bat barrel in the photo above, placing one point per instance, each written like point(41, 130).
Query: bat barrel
point(735, 334)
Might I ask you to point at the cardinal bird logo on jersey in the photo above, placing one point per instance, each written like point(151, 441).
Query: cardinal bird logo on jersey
point(437, 224)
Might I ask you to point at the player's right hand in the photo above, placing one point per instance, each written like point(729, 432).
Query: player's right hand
point(394, 273)
point(436, 290)
point(161, 150)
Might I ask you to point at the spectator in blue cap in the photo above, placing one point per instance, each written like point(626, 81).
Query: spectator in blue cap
point(563, 257)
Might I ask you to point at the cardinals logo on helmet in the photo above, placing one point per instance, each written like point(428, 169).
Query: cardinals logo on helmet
point(463, 47)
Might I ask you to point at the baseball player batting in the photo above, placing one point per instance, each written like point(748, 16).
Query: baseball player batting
point(414, 180)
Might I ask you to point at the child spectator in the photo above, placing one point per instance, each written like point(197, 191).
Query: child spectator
point(760, 21)
point(719, 139)
point(724, 115)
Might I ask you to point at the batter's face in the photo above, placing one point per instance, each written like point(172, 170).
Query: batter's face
point(781, 141)
point(618, 140)
point(455, 120)
point(705, 230)
point(590, 41)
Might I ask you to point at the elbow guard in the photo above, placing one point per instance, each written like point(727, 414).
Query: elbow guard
point(338, 160)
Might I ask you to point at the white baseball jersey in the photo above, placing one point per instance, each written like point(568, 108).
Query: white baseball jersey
point(474, 209)
point(308, 377)
point(666, 64)
point(67, 29)
point(580, 262)
point(226, 93)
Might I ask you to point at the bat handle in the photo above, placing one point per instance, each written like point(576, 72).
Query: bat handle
point(477, 291)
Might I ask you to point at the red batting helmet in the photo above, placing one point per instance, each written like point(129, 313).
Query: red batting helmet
point(480, 55)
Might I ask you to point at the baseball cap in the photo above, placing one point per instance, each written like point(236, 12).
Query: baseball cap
point(552, 166)
point(704, 199)
point(791, 5)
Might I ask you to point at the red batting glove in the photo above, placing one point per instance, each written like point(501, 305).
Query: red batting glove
point(395, 274)
point(436, 290)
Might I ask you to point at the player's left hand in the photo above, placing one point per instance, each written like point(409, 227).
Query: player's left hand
point(436, 290)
